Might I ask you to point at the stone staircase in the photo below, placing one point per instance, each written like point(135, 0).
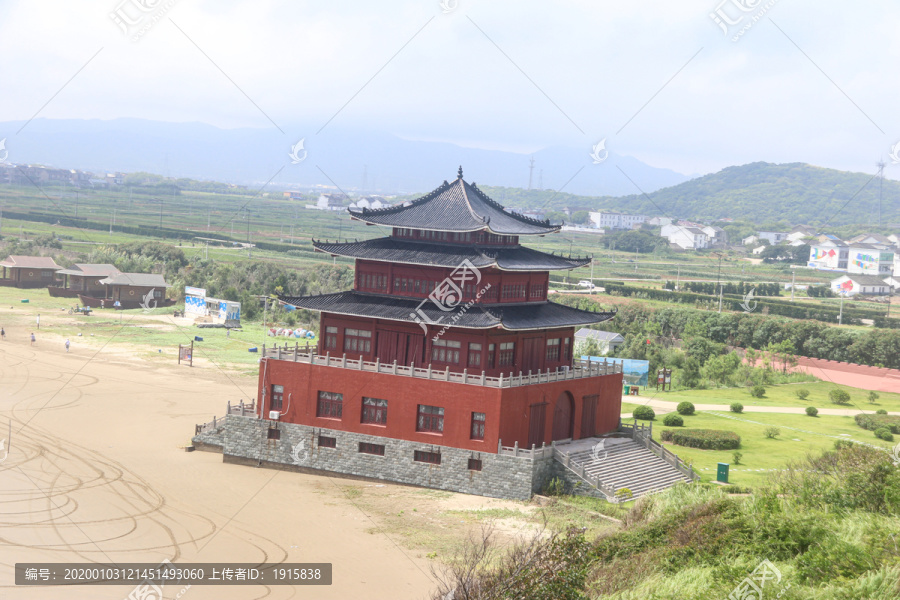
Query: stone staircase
point(612, 463)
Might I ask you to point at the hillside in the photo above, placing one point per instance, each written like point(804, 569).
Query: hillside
point(758, 192)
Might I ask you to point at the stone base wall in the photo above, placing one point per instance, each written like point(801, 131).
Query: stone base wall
point(210, 441)
point(246, 440)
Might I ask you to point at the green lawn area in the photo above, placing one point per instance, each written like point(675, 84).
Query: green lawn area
point(154, 336)
point(800, 435)
point(785, 395)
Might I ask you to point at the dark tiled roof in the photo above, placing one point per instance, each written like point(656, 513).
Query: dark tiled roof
point(517, 258)
point(83, 270)
point(136, 279)
point(456, 206)
point(524, 316)
point(30, 262)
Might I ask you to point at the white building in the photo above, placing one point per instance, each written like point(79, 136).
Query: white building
point(716, 235)
point(616, 221)
point(750, 240)
point(870, 259)
point(329, 202)
point(828, 256)
point(773, 237)
point(686, 238)
point(607, 340)
point(659, 221)
point(869, 285)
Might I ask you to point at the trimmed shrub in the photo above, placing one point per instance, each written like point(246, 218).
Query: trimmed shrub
point(883, 433)
point(737, 407)
point(758, 391)
point(839, 396)
point(812, 411)
point(685, 408)
point(705, 439)
point(802, 393)
point(873, 396)
point(772, 432)
point(644, 413)
point(873, 422)
point(673, 420)
point(880, 411)
point(737, 456)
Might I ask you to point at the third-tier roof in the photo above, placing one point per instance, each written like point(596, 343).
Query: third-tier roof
point(457, 206)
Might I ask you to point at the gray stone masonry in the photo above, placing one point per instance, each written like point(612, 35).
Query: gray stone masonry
point(210, 441)
point(502, 476)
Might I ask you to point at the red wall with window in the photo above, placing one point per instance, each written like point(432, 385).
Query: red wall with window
point(417, 281)
point(505, 410)
point(406, 343)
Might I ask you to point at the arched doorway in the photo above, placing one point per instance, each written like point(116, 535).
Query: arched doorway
point(563, 417)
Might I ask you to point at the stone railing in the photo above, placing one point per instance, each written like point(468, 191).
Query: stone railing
point(533, 452)
point(307, 354)
point(643, 434)
point(243, 409)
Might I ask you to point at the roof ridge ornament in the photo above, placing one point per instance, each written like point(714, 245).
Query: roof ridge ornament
point(459, 173)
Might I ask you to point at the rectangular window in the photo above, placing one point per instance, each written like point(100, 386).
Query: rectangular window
point(327, 442)
point(491, 355)
point(538, 291)
point(277, 397)
point(374, 411)
point(157, 294)
point(357, 341)
point(474, 464)
point(47, 274)
point(367, 448)
point(474, 355)
point(274, 434)
point(433, 458)
point(430, 418)
point(478, 426)
point(553, 349)
point(507, 353)
point(330, 405)
point(331, 334)
point(567, 348)
point(445, 351)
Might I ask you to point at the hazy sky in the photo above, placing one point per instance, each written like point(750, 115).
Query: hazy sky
point(808, 81)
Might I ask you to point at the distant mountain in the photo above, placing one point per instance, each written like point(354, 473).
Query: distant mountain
point(348, 158)
point(758, 192)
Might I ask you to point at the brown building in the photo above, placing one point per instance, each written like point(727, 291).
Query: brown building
point(82, 279)
point(130, 290)
point(28, 271)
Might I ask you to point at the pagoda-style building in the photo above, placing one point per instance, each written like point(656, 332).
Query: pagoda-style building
point(447, 337)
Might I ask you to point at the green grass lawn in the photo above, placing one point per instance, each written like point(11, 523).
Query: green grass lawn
point(800, 435)
point(154, 335)
point(785, 395)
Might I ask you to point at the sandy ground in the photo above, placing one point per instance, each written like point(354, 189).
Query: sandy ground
point(96, 473)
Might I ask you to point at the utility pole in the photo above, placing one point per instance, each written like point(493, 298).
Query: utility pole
point(591, 289)
point(208, 212)
point(530, 172)
point(841, 313)
point(677, 277)
point(793, 278)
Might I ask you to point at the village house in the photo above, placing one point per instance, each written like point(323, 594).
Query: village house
point(607, 341)
point(28, 271)
point(868, 285)
point(130, 290)
point(82, 279)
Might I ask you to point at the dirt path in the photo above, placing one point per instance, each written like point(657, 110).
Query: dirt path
point(95, 472)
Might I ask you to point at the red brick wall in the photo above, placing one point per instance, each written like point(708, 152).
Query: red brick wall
point(506, 409)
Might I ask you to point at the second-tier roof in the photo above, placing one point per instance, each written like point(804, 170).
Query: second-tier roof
point(457, 206)
point(517, 317)
point(515, 258)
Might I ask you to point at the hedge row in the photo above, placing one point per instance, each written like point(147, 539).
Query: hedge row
point(825, 314)
point(706, 439)
point(873, 422)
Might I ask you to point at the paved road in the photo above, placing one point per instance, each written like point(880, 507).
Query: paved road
point(665, 406)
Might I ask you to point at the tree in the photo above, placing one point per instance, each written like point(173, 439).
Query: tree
point(587, 347)
point(873, 396)
point(581, 217)
point(783, 352)
point(690, 373)
point(839, 396)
